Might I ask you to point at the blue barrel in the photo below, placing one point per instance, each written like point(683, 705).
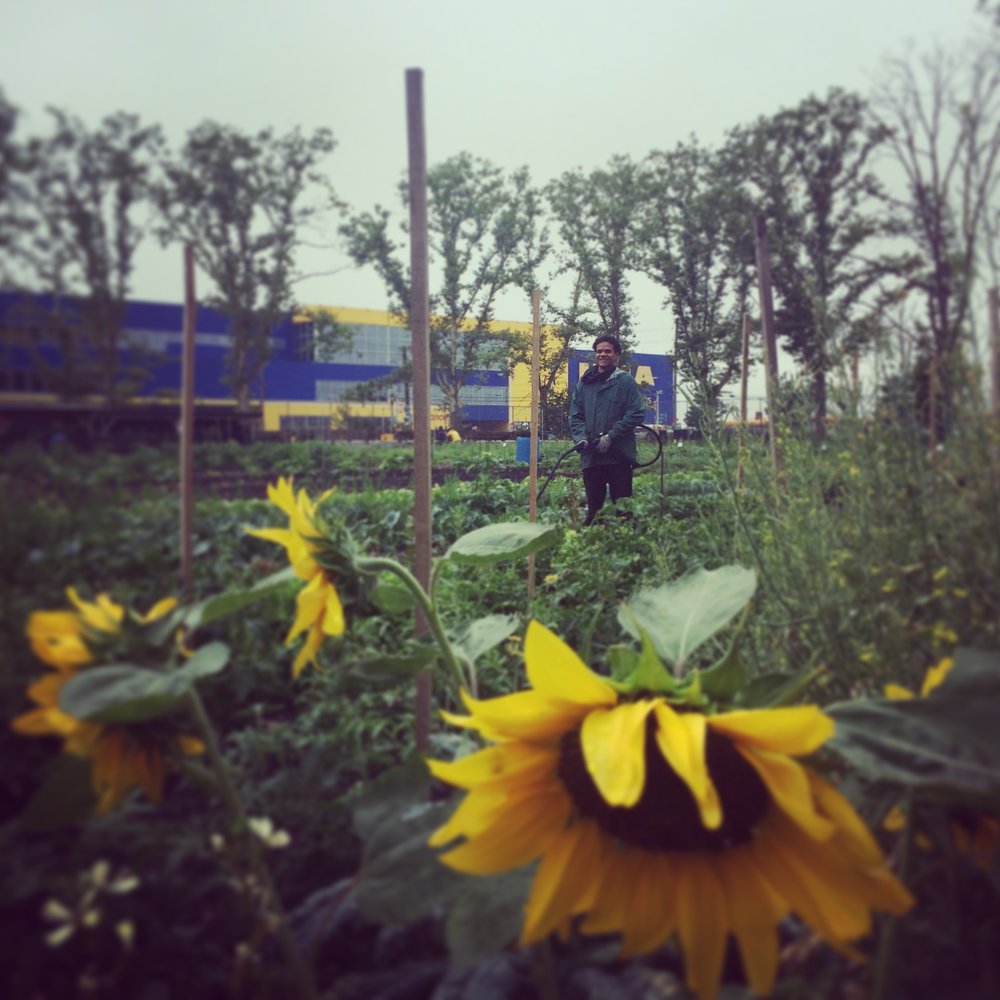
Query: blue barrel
point(523, 453)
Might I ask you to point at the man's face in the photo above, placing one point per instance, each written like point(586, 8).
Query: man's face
point(607, 359)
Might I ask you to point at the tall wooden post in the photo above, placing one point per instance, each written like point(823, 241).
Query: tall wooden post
point(420, 348)
point(767, 327)
point(993, 304)
point(744, 377)
point(536, 346)
point(186, 429)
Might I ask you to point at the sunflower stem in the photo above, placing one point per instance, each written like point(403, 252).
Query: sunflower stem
point(887, 944)
point(302, 974)
point(377, 564)
point(545, 971)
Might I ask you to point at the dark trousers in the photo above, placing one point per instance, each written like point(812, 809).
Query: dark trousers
point(598, 479)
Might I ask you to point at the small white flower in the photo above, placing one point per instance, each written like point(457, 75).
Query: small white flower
point(265, 830)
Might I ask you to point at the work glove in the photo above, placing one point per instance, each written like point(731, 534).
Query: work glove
point(604, 444)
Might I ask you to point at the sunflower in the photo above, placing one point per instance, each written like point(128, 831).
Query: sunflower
point(319, 610)
point(650, 820)
point(122, 756)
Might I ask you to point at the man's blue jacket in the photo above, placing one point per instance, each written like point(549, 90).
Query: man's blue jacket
point(614, 406)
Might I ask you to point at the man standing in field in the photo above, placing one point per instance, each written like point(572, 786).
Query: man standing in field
point(604, 412)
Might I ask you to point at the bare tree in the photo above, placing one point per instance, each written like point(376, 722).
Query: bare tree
point(942, 113)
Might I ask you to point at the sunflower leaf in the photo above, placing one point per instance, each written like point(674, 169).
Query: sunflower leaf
point(481, 635)
point(946, 744)
point(485, 915)
point(65, 795)
point(772, 690)
point(649, 674)
point(496, 542)
point(725, 678)
point(623, 660)
point(393, 667)
point(123, 693)
point(222, 605)
point(390, 596)
point(680, 616)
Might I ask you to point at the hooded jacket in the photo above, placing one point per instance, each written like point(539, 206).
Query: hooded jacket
point(612, 405)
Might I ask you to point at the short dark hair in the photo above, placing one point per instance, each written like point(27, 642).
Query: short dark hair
point(609, 338)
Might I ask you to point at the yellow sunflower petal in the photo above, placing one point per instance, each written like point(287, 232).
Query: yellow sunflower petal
point(102, 615)
point(556, 672)
point(612, 894)
point(803, 879)
point(519, 762)
point(159, 609)
point(309, 607)
point(851, 829)
point(703, 924)
point(754, 911)
point(282, 495)
point(896, 692)
point(681, 739)
point(307, 654)
point(614, 749)
point(333, 615)
point(565, 875)
point(56, 639)
point(935, 675)
point(652, 915)
point(519, 835)
point(788, 785)
point(525, 715)
point(474, 814)
point(795, 731)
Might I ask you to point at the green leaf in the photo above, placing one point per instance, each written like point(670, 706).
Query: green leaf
point(379, 669)
point(122, 693)
point(484, 633)
point(725, 678)
point(623, 660)
point(772, 690)
point(222, 605)
point(65, 795)
point(119, 692)
point(680, 616)
point(497, 542)
point(945, 745)
point(649, 673)
point(391, 596)
point(486, 915)
point(206, 661)
point(401, 877)
point(390, 794)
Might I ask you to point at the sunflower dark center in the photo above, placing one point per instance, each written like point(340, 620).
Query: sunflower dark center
point(666, 817)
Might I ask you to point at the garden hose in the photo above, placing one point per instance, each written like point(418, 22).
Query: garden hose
point(576, 447)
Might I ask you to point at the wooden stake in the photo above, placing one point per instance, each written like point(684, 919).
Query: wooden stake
point(767, 327)
point(419, 309)
point(536, 346)
point(993, 304)
point(186, 429)
point(744, 376)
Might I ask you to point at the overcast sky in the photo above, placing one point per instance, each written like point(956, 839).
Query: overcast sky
point(553, 84)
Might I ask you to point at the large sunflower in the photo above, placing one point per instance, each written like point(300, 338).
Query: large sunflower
point(122, 756)
point(650, 820)
point(319, 610)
